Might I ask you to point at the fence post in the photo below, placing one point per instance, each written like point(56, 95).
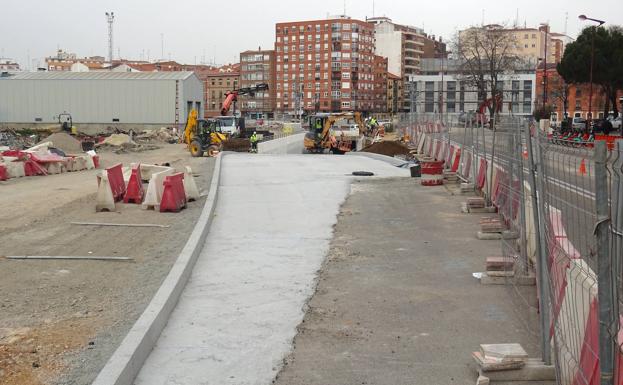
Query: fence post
point(604, 264)
point(518, 152)
point(542, 274)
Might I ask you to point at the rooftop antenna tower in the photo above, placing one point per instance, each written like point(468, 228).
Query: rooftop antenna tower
point(566, 21)
point(344, 7)
point(372, 8)
point(162, 46)
point(110, 18)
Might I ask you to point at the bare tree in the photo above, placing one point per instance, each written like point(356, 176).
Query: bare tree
point(486, 53)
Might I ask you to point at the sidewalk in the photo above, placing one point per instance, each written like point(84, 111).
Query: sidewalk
point(396, 302)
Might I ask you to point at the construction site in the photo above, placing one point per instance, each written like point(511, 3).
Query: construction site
point(180, 254)
point(256, 223)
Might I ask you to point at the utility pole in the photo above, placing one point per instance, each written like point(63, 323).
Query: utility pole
point(546, 26)
point(110, 18)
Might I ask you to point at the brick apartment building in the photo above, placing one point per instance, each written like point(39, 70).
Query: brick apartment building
point(217, 83)
point(576, 96)
point(324, 64)
point(258, 67)
point(394, 93)
point(380, 84)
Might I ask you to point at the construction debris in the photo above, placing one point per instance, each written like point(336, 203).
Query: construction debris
point(163, 134)
point(123, 143)
point(388, 148)
point(13, 140)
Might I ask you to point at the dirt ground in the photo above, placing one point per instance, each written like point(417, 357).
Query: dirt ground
point(396, 302)
point(61, 320)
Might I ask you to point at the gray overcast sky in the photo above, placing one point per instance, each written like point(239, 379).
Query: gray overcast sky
point(195, 29)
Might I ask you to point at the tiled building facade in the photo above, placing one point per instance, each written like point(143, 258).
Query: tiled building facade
point(325, 65)
point(258, 67)
point(380, 84)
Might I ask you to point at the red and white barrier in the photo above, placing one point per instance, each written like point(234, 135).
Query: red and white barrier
point(173, 195)
point(4, 174)
point(482, 173)
point(153, 195)
point(432, 173)
point(134, 191)
point(466, 162)
point(455, 159)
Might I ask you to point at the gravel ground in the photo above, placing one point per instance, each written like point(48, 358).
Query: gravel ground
point(396, 302)
point(60, 321)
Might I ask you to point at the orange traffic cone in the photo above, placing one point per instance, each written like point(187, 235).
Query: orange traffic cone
point(582, 169)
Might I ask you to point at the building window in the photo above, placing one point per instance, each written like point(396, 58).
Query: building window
point(429, 97)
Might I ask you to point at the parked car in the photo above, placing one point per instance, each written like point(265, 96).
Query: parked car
point(601, 125)
point(469, 116)
point(578, 123)
point(616, 122)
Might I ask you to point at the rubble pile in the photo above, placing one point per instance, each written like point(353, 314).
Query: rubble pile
point(15, 141)
point(388, 148)
point(120, 143)
point(163, 134)
point(64, 142)
point(237, 145)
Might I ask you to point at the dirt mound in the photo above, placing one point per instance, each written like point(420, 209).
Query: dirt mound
point(65, 142)
point(387, 148)
point(237, 145)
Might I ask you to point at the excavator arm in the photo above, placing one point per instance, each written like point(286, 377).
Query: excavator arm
point(191, 126)
point(231, 97)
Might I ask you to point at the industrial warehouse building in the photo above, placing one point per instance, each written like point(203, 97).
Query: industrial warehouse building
point(103, 99)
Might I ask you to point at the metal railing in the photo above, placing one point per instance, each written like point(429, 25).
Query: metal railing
point(561, 210)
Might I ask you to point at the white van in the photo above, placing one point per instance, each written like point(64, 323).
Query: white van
point(230, 125)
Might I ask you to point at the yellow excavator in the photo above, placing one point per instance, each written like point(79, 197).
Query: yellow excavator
point(203, 135)
point(320, 136)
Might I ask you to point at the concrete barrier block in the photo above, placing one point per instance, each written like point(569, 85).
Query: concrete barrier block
point(153, 195)
point(104, 201)
point(15, 169)
point(190, 187)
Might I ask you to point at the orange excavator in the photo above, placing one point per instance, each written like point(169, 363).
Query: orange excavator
point(482, 109)
point(231, 97)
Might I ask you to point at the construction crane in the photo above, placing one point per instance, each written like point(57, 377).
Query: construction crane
point(231, 97)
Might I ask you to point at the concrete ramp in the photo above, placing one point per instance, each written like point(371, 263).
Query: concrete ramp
point(238, 314)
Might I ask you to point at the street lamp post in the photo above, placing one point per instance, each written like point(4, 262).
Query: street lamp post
point(545, 66)
point(590, 90)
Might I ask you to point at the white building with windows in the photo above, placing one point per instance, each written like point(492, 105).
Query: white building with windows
point(449, 92)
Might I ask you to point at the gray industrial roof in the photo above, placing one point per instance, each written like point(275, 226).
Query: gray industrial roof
point(98, 75)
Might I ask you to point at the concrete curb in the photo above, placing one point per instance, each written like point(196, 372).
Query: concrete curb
point(383, 158)
point(126, 362)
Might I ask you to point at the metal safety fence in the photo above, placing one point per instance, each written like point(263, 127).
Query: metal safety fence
point(560, 211)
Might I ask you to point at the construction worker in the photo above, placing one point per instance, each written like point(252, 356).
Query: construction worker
point(253, 140)
point(318, 125)
point(373, 122)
